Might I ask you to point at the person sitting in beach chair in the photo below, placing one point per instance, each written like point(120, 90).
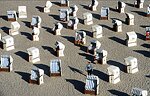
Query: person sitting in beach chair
point(80, 38)
point(36, 76)
point(64, 15)
point(57, 28)
point(6, 63)
point(101, 56)
point(94, 45)
point(93, 5)
point(36, 22)
point(73, 11)
point(60, 47)
point(73, 23)
point(147, 33)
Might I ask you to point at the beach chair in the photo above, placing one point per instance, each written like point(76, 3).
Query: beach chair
point(22, 12)
point(8, 43)
point(55, 67)
point(139, 3)
point(97, 31)
point(94, 45)
point(47, 7)
point(60, 47)
point(104, 15)
point(57, 28)
point(64, 3)
point(11, 15)
point(36, 21)
point(93, 5)
point(131, 39)
point(148, 11)
point(88, 18)
point(114, 74)
point(64, 15)
point(72, 24)
point(6, 63)
point(36, 76)
point(15, 26)
point(117, 25)
point(73, 10)
point(130, 19)
point(121, 7)
point(132, 65)
point(34, 54)
point(80, 38)
point(147, 33)
point(92, 85)
point(101, 56)
point(139, 92)
point(35, 34)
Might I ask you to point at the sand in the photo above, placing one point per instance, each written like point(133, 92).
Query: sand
point(72, 81)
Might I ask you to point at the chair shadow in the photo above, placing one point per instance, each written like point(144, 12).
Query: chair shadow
point(118, 40)
point(48, 29)
point(64, 25)
point(129, 4)
point(144, 26)
point(27, 23)
point(40, 8)
point(140, 36)
point(27, 35)
point(69, 38)
point(147, 76)
point(143, 52)
point(50, 49)
point(87, 56)
point(78, 85)
point(85, 7)
point(56, 17)
point(56, 3)
point(96, 16)
point(103, 76)
point(44, 67)
point(5, 29)
point(118, 93)
point(81, 21)
point(25, 76)
point(88, 33)
point(4, 17)
point(146, 45)
point(23, 55)
point(83, 48)
point(105, 26)
point(113, 9)
point(118, 64)
point(76, 70)
point(119, 20)
point(140, 13)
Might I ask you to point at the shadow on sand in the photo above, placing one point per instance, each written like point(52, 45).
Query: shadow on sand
point(25, 76)
point(76, 70)
point(23, 55)
point(118, 93)
point(50, 49)
point(78, 85)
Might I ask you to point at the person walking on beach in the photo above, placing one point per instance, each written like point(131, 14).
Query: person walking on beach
point(89, 68)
